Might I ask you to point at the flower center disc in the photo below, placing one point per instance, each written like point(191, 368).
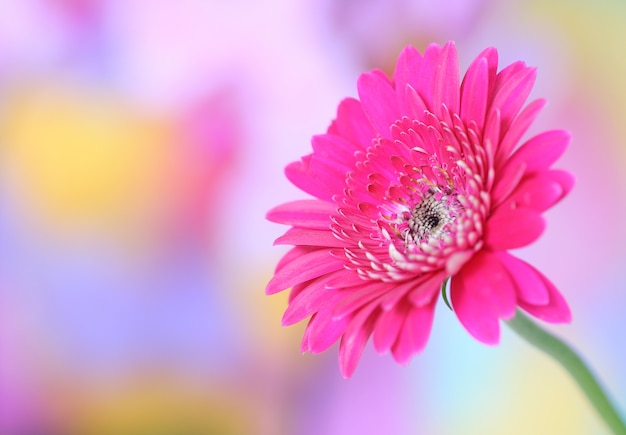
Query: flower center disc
point(428, 218)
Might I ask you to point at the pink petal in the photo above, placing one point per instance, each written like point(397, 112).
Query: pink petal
point(517, 129)
point(319, 177)
point(398, 292)
point(353, 124)
point(354, 339)
point(506, 183)
point(407, 67)
point(346, 280)
point(308, 266)
point(564, 178)
point(337, 149)
point(409, 61)
point(415, 105)
point(541, 190)
point(474, 92)
point(379, 102)
point(297, 289)
point(507, 72)
point(414, 333)
point(541, 151)
point(530, 286)
point(513, 228)
point(322, 331)
point(309, 300)
point(446, 80)
point(306, 213)
point(355, 297)
point(427, 290)
point(309, 237)
point(490, 54)
point(491, 135)
point(423, 80)
point(293, 254)
point(388, 327)
point(555, 311)
point(368, 210)
point(481, 293)
point(457, 260)
point(513, 85)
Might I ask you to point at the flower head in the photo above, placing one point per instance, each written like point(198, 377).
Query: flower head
point(420, 180)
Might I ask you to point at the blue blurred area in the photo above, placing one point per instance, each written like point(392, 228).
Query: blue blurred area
point(141, 144)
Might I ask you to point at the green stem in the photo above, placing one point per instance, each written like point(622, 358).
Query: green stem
point(573, 364)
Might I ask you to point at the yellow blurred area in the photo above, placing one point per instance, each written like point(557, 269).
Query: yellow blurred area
point(163, 404)
point(83, 154)
point(539, 396)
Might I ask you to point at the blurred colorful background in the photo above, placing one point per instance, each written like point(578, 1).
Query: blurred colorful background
point(141, 144)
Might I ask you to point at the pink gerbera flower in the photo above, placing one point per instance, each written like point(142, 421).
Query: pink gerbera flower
point(418, 181)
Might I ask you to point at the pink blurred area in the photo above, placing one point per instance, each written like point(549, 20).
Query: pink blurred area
point(141, 144)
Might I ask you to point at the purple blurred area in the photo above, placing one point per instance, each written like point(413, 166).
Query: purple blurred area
point(141, 144)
